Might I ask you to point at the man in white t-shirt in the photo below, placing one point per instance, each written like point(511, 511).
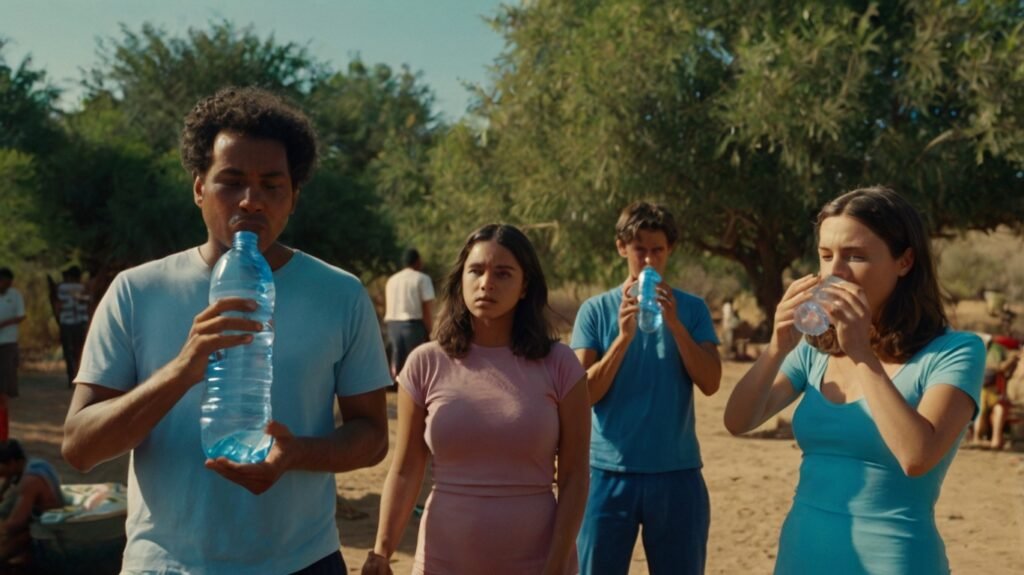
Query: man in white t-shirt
point(12, 312)
point(407, 309)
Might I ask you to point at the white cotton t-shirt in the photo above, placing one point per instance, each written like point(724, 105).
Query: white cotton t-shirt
point(11, 305)
point(405, 293)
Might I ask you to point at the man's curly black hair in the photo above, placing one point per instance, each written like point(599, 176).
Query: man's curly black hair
point(251, 112)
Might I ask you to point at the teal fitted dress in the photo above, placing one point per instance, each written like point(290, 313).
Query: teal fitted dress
point(855, 511)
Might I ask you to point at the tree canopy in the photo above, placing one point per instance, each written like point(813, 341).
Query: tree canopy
point(28, 130)
point(120, 196)
point(744, 118)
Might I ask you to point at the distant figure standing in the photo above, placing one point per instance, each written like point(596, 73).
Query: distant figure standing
point(12, 312)
point(73, 315)
point(729, 322)
point(407, 299)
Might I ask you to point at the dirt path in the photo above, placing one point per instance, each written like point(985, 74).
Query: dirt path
point(980, 513)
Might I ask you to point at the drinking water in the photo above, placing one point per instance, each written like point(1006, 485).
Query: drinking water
point(809, 317)
point(649, 318)
point(236, 402)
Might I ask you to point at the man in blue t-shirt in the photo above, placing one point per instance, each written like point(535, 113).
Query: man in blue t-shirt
point(139, 388)
point(644, 457)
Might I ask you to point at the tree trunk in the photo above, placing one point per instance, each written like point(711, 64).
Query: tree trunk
point(764, 268)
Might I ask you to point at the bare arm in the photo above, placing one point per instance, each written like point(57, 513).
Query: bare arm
point(104, 423)
point(573, 476)
point(361, 440)
point(918, 438)
point(428, 317)
point(405, 476)
point(601, 373)
point(601, 370)
point(29, 491)
point(763, 392)
point(701, 361)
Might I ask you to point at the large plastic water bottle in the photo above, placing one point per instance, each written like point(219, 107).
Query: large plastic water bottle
point(809, 317)
point(648, 318)
point(236, 403)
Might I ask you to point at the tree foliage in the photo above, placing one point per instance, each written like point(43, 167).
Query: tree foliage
point(157, 78)
point(27, 115)
point(21, 239)
point(376, 127)
point(28, 131)
point(124, 197)
point(745, 117)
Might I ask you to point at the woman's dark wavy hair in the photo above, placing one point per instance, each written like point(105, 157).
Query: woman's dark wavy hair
point(532, 333)
point(913, 315)
point(252, 112)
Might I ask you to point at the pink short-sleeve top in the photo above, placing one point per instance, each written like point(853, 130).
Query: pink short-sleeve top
point(492, 421)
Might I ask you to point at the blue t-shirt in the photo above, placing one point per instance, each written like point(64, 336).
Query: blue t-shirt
point(855, 510)
point(645, 423)
point(182, 517)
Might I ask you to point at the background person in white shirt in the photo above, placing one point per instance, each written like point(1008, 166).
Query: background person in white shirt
point(407, 299)
point(12, 312)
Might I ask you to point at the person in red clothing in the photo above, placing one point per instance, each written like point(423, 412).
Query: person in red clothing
point(989, 427)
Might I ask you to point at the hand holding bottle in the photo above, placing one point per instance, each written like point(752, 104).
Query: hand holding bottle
point(785, 336)
point(627, 310)
point(213, 330)
point(810, 317)
point(261, 476)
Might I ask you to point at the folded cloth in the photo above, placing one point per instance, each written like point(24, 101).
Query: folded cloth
point(88, 502)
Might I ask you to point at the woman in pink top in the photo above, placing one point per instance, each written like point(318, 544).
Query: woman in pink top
point(494, 400)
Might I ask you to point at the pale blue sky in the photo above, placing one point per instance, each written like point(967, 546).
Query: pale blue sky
point(444, 39)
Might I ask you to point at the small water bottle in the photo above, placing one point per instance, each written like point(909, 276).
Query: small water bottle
point(236, 402)
point(648, 319)
point(809, 317)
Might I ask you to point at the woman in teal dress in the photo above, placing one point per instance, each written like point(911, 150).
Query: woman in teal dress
point(888, 392)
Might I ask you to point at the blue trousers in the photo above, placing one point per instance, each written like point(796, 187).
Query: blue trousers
point(672, 507)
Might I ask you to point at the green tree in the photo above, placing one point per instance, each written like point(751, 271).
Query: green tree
point(29, 131)
point(112, 199)
point(157, 78)
point(376, 127)
point(20, 236)
point(745, 117)
point(27, 113)
point(125, 199)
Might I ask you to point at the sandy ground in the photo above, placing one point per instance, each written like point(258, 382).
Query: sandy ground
point(980, 513)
